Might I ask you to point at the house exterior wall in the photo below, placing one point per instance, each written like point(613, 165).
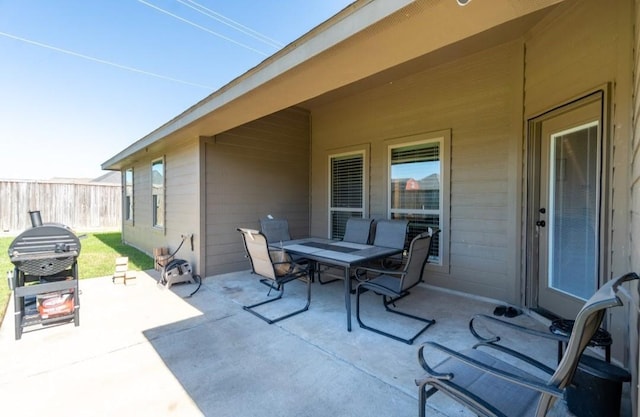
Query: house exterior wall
point(634, 227)
point(561, 65)
point(485, 100)
point(477, 98)
point(254, 170)
point(182, 204)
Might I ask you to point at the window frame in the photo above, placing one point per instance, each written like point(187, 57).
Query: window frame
point(444, 138)
point(363, 152)
point(128, 192)
point(161, 205)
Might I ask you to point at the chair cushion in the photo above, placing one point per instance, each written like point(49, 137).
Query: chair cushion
point(281, 261)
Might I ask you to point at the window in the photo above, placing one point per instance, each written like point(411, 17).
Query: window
point(128, 195)
point(157, 192)
point(347, 191)
point(417, 183)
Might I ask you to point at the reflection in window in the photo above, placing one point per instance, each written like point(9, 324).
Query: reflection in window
point(415, 188)
point(157, 192)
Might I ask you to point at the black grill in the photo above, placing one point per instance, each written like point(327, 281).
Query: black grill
point(44, 250)
point(45, 260)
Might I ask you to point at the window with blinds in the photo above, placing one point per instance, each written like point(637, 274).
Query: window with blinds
point(347, 191)
point(415, 188)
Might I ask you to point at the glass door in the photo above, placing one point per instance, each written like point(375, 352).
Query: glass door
point(568, 214)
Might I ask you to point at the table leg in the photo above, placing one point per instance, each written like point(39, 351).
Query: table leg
point(347, 296)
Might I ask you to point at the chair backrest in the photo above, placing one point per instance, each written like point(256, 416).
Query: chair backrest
point(357, 230)
point(586, 324)
point(258, 250)
point(276, 230)
point(417, 258)
point(391, 233)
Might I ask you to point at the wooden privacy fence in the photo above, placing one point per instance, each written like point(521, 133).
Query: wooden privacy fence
point(81, 206)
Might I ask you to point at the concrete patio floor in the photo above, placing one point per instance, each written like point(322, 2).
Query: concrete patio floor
point(146, 351)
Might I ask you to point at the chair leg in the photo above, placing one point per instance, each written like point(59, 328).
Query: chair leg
point(250, 308)
point(422, 400)
point(386, 302)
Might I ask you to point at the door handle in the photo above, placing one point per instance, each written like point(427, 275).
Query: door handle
point(541, 223)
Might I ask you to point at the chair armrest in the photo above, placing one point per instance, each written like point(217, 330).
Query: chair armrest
point(423, 363)
point(512, 326)
point(516, 379)
point(524, 358)
point(378, 271)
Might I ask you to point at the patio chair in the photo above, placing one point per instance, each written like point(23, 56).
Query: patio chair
point(393, 285)
point(490, 386)
point(391, 234)
point(276, 230)
point(357, 230)
point(276, 268)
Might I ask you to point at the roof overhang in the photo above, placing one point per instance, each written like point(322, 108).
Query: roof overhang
point(366, 38)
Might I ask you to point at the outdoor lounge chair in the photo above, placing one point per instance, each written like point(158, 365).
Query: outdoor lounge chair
point(395, 284)
point(276, 269)
point(357, 230)
point(489, 386)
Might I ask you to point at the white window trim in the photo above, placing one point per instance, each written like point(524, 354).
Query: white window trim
point(444, 137)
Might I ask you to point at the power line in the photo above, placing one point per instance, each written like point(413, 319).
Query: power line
point(231, 23)
point(202, 28)
point(102, 61)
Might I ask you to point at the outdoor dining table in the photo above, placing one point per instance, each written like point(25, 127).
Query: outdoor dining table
point(338, 253)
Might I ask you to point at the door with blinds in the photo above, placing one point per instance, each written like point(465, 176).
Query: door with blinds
point(567, 212)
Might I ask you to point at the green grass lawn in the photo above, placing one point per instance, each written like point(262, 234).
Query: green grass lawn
point(97, 259)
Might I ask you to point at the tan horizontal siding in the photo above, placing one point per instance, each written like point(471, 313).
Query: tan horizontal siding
point(254, 170)
point(181, 203)
point(474, 97)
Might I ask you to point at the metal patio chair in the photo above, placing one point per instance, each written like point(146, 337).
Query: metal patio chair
point(357, 230)
point(276, 230)
point(276, 269)
point(394, 284)
point(489, 386)
point(391, 234)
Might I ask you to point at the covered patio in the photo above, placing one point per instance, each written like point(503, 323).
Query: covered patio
point(142, 350)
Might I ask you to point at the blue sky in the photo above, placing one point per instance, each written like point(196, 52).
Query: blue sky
point(82, 79)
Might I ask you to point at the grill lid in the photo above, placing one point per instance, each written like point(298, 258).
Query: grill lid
point(45, 250)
